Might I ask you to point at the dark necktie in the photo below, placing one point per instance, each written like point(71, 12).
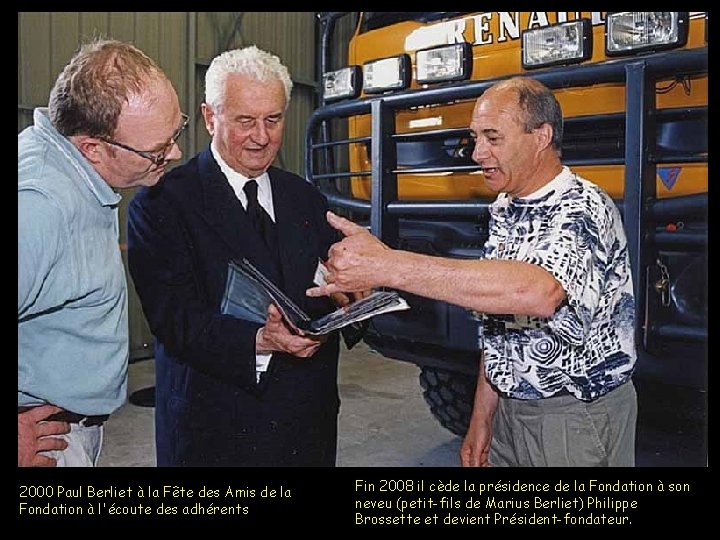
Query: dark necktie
point(260, 219)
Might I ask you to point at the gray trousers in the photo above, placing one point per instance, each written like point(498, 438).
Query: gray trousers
point(564, 431)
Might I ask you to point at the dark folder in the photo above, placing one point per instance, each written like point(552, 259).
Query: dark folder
point(248, 293)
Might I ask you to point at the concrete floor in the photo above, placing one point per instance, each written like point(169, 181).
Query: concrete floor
point(384, 421)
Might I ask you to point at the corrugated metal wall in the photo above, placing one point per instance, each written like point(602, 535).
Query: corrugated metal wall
point(183, 43)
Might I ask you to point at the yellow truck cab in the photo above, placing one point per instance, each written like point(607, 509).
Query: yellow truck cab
point(389, 146)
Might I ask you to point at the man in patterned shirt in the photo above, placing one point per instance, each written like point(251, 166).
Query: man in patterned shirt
point(553, 291)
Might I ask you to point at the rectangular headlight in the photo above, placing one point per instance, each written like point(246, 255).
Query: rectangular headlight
point(628, 32)
point(341, 83)
point(564, 43)
point(386, 74)
point(446, 63)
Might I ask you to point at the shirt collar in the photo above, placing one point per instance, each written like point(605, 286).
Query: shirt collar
point(546, 193)
point(102, 191)
point(238, 180)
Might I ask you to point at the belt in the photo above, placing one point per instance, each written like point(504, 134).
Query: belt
point(73, 418)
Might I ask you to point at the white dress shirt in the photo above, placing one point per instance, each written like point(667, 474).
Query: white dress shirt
point(237, 182)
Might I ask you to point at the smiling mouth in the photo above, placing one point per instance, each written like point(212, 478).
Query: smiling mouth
point(489, 170)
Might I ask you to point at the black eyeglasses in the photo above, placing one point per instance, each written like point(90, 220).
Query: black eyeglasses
point(157, 158)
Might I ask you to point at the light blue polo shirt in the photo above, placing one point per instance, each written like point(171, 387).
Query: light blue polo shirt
point(72, 290)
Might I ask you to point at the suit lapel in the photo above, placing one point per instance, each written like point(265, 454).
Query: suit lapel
point(292, 237)
point(225, 215)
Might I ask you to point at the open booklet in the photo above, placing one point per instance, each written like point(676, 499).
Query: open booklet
point(248, 293)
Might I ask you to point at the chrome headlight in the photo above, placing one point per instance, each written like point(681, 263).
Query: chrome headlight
point(386, 74)
point(564, 43)
point(342, 83)
point(446, 63)
point(628, 32)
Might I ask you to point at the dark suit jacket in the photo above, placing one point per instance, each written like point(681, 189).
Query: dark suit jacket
point(209, 409)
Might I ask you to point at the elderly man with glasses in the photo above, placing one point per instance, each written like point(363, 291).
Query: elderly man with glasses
point(112, 123)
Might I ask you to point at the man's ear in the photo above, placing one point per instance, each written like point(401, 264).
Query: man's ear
point(209, 117)
point(89, 147)
point(545, 135)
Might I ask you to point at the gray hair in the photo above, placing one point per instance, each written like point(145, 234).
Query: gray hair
point(250, 61)
point(539, 105)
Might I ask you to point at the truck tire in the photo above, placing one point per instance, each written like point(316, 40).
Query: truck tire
point(450, 396)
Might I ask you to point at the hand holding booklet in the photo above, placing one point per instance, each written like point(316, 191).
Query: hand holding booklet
point(248, 293)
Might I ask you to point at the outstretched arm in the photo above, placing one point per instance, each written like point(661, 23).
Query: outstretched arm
point(360, 262)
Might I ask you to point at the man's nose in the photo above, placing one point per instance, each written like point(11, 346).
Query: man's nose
point(260, 133)
point(481, 151)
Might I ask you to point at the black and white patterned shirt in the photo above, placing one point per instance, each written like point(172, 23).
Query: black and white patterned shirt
point(572, 229)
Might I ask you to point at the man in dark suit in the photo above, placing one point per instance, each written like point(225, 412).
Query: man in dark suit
point(230, 392)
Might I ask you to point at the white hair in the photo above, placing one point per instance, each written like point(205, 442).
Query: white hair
point(250, 61)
